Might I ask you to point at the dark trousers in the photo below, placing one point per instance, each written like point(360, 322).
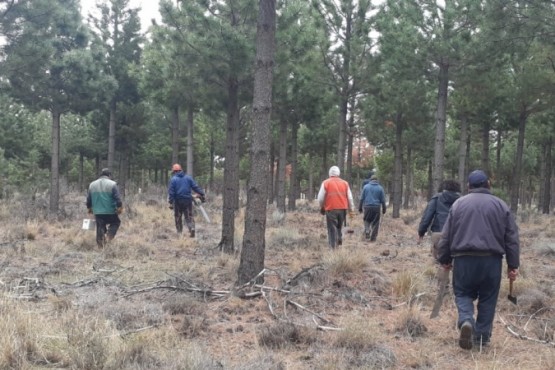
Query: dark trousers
point(371, 219)
point(335, 219)
point(477, 278)
point(183, 208)
point(106, 227)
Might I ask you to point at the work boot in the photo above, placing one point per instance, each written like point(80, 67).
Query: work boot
point(466, 335)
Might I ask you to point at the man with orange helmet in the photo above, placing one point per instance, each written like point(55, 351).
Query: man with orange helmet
point(181, 198)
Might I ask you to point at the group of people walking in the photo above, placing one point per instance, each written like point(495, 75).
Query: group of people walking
point(104, 202)
point(470, 235)
point(336, 200)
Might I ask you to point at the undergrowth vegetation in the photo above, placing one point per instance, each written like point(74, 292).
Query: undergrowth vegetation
point(155, 300)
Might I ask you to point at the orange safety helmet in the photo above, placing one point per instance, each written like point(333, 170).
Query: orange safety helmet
point(176, 167)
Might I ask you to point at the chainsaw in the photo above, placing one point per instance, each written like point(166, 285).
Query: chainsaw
point(198, 204)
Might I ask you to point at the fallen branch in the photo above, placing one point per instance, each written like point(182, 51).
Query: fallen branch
point(307, 310)
point(521, 336)
point(215, 293)
point(410, 301)
point(324, 328)
point(534, 314)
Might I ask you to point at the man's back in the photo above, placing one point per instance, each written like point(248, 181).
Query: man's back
point(480, 222)
point(101, 192)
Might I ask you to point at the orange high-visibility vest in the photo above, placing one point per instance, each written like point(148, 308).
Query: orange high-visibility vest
point(337, 191)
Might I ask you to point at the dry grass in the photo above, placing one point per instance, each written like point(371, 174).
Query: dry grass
point(67, 304)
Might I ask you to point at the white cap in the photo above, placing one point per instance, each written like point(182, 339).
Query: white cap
point(334, 171)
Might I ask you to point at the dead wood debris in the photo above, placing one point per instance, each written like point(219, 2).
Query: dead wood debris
point(512, 329)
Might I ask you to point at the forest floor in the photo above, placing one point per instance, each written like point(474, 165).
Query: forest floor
point(154, 300)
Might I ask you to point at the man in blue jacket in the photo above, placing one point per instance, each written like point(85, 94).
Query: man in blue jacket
point(479, 231)
point(104, 201)
point(181, 198)
point(372, 200)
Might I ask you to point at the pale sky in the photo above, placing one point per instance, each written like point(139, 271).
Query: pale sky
point(149, 10)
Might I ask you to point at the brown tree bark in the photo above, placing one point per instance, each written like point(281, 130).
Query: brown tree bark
point(441, 117)
point(462, 170)
point(112, 135)
point(280, 188)
point(190, 140)
point(175, 135)
point(517, 169)
point(397, 193)
point(294, 185)
point(253, 251)
point(55, 164)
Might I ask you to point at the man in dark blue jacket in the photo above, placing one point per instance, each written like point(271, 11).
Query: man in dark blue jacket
point(372, 200)
point(181, 198)
point(479, 231)
point(436, 212)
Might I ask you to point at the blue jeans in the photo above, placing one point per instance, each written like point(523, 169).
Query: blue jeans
point(477, 277)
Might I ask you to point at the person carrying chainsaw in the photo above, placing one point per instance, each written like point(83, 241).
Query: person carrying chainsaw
point(436, 212)
point(479, 231)
point(104, 201)
point(180, 197)
point(335, 199)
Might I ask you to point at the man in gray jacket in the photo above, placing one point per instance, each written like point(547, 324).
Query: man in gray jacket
point(479, 231)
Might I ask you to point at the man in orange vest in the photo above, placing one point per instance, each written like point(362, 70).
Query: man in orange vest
point(335, 198)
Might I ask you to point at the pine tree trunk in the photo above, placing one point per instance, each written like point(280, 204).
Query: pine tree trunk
point(190, 141)
point(410, 182)
point(175, 135)
point(271, 188)
point(253, 251)
point(498, 148)
point(81, 172)
point(310, 194)
point(294, 188)
point(441, 116)
point(546, 198)
point(112, 135)
point(515, 186)
point(397, 193)
point(485, 148)
point(340, 161)
point(55, 164)
point(212, 160)
point(462, 151)
point(282, 164)
point(231, 169)
point(122, 178)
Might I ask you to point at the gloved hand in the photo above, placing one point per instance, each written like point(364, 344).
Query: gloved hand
point(360, 210)
point(119, 210)
point(89, 211)
point(171, 206)
point(383, 211)
point(322, 211)
point(202, 198)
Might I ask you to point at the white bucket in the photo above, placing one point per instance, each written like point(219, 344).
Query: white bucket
point(89, 224)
